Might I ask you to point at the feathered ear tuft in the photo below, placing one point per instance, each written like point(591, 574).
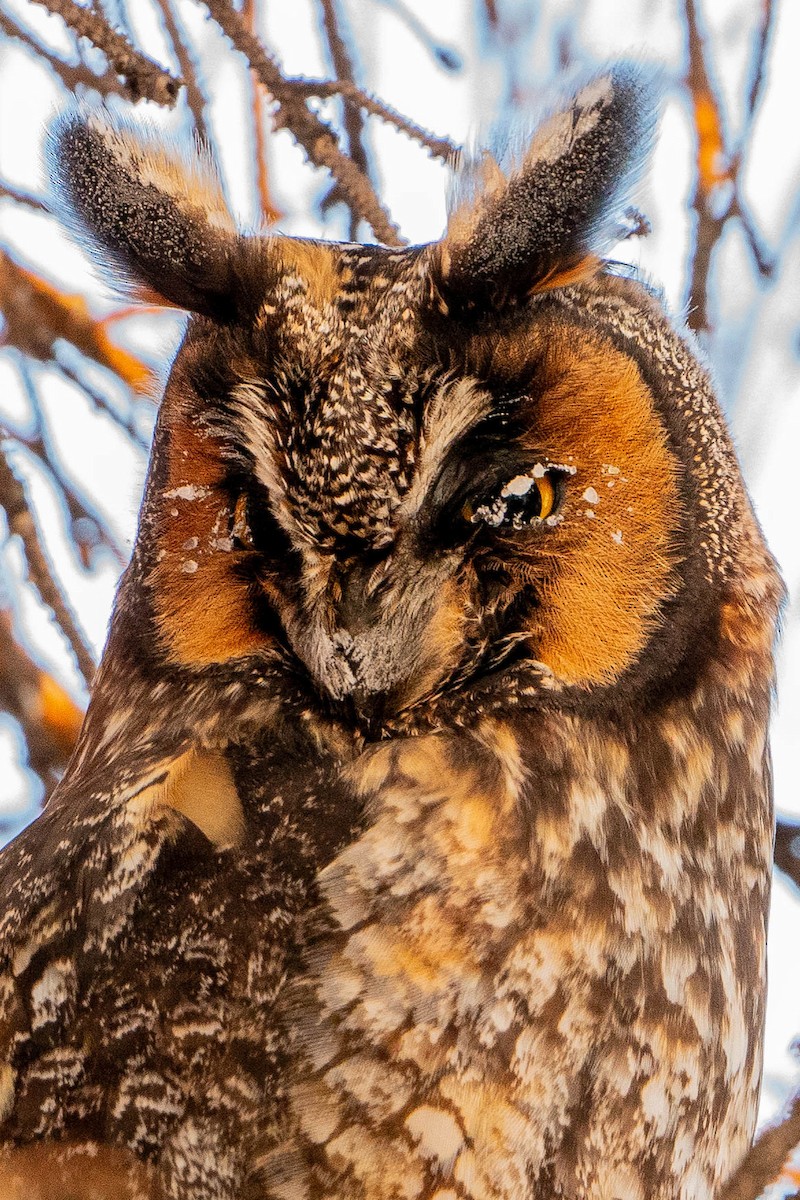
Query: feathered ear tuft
point(546, 222)
point(156, 219)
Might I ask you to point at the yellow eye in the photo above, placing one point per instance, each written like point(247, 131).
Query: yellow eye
point(520, 502)
point(240, 529)
point(547, 496)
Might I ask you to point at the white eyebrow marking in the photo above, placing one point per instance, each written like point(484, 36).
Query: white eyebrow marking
point(453, 410)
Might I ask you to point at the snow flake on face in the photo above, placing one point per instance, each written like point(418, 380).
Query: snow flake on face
point(187, 491)
point(520, 485)
point(189, 566)
point(190, 543)
point(590, 496)
point(609, 470)
point(617, 536)
point(493, 513)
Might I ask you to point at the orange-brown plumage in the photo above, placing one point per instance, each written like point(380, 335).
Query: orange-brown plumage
point(417, 843)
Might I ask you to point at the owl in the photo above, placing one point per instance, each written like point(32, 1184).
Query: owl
point(417, 842)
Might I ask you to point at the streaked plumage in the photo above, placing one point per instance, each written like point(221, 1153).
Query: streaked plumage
point(417, 843)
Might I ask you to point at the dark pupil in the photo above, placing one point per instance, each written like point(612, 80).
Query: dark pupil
point(512, 509)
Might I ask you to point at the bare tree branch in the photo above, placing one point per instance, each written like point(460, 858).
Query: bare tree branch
point(101, 404)
point(195, 97)
point(22, 197)
point(144, 78)
point(72, 75)
point(37, 314)
point(787, 849)
point(439, 147)
point(765, 1160)
point(445, 56)
point(39, 445)
point(270, 213)
point(757, 71)
point(317, 139)
point(49, 718)
point(717, 166)
point(353, 119)
point(21, 522)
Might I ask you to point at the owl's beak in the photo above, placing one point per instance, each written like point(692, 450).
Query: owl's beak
point(381, 651)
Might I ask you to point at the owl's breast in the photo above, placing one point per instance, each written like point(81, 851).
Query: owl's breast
point(524, 986)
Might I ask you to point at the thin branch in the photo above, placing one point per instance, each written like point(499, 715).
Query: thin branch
point(50, 720)
point(764, 260)
point(195, 97)
point(445, 56)
point(270, 212)
point(75, 504)
point(712, 169)
point(41, 447)
point(353, 119)
point(72, 75)
point(787, 849)
point(765, 1160)
point(21, 522)
point(37, 314)
point(439, 147)
point(757, 71)
point(492, 15)
point(79, 511)
point(100, 403)
point(717, 165)
point(22, 197)
point(143, 77)
point(317, 139)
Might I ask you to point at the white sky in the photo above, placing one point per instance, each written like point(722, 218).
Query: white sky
point(755, 355)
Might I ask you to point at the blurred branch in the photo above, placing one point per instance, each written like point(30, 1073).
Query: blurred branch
point(317, 139)
point(195, 97)
point(717, 195)
point(269, 210)
point(353, 119)
point(787, 849)
point(22, 197)
point(37, 314)
point(144, 79)
point(765, 1161)
point(440, 147)
point(39, 445)
point(21, 522)
point(79, 513)
point(445, 56)
point(758, 74)
point(72, 75)
point(101, 404)
point(49, 718)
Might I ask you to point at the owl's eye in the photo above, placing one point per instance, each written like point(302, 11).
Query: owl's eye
point(521, 501)
point(240, 528)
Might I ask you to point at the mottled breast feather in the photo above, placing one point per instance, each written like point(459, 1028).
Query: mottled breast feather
point(417, 841)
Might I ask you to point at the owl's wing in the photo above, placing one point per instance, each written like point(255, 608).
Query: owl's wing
point(68, 884)
point(159, 223)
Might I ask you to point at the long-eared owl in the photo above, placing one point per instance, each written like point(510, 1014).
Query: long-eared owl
point(417, 842)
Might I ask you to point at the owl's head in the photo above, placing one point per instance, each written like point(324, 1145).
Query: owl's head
point(398, 472)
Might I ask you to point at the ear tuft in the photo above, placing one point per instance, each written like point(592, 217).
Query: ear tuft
point(546, 222)
point(156, 219)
